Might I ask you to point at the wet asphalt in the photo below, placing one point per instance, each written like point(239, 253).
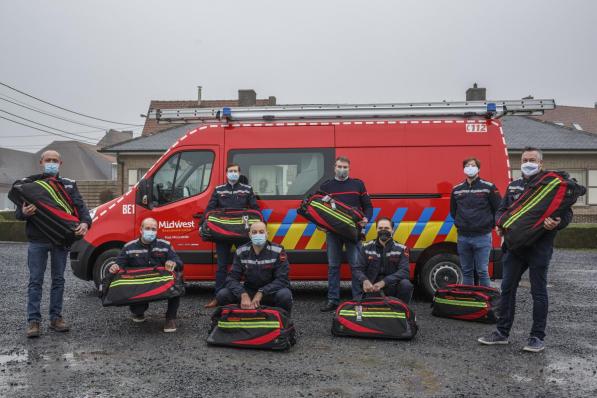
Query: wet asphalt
point(106, 355)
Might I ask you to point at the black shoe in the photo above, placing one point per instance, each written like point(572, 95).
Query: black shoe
point(329, 307)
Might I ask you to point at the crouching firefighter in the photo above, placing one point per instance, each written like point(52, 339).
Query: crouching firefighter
point(383, 264)
point(149, 251)
point(264, 267)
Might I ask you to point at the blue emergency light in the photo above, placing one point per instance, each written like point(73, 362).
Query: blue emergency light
point(226, 113)
point(491, 107)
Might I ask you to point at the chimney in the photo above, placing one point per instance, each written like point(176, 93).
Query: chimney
point(271, 101)
point(247, 98)
point(199, 88)
point(476, 93)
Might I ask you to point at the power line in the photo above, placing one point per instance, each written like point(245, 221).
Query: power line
point(32, 108)
point(45, 125)
point(65, 109)
point(45, 131)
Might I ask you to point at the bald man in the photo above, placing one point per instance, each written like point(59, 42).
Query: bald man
point(263, 265)
point(40, 246)
point(149, 251)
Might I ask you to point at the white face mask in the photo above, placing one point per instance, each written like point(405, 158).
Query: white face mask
point(529, 169)
point(471, 171)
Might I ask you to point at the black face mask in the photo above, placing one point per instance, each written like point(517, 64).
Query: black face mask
point(384, 235)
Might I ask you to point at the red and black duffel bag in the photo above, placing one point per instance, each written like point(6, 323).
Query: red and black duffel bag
point(375, 317)
point(140, 285)
point(229, 225)
point(266, 328)
point(56, 216)
point(332, 215)
point(551, 195)
point(466, 302)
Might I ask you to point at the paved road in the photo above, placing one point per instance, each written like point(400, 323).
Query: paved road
point(106, 355)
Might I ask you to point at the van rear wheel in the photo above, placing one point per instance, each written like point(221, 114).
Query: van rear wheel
point(100, 268)
point(438, 272)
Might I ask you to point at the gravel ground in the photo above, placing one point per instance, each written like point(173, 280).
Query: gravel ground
point(106, 355)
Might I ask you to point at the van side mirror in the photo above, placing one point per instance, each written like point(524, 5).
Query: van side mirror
point(143, 197)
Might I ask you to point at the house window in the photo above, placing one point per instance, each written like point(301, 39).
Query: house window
point(581, 177)
point(592, 188)
point(114, 171)
point(135, 175)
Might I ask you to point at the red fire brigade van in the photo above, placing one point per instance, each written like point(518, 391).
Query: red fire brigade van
point(408, 155)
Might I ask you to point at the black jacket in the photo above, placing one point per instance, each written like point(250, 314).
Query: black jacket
point(136, 254)
point(513, 192)
point(266, 272)
point(70, 186)
point(473, 206)
point(237, 196)
point(377, 262)
point(351, 191)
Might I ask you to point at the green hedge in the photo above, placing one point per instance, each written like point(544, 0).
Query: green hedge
point(13, 231)
point(577, 236)
point(7, 215)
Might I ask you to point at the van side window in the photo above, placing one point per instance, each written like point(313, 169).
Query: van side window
point(184, 175)
point(283, 172)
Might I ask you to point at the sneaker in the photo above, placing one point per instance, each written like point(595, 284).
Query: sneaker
point(170, 326)
point(58, 325)
point(33, 330)
point(494, 338)
point(535, 344)
point(138, 318)
point(329, 307)
point(212, 304)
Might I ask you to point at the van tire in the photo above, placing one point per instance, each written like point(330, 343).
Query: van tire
point(101, 265)
point(439, 271)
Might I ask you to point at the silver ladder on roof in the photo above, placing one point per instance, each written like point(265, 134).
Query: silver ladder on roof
point(487, 109)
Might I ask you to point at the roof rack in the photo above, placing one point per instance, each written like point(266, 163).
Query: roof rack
point(487, 109)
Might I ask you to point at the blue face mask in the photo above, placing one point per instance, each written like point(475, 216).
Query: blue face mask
point(232, 176)
point(51, 168)
point(149, 235)
point(258, 239)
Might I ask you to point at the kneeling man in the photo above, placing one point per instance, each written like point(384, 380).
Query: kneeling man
point(383, 265)
point(264, 267)
point(147, 251)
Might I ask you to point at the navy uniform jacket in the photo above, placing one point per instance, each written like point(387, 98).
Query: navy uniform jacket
point(513, 192)
point(237, 196)
point(351, 191)
point(137, 254)
point(473, 206)
point(70, 186)
point(377, 262)
point(266, 272)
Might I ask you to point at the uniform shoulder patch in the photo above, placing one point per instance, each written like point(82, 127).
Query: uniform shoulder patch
point(131, 242)
point(276, 248)
point(243, 248)
point(221, 186)
point(68, 179)
point(164, 241)
point(485, 182)
point(244, 185)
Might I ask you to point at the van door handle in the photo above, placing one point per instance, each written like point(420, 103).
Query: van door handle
point(198, 215)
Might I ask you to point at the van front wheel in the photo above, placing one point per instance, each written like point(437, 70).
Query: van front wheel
point(438, 272)
point(100, 268)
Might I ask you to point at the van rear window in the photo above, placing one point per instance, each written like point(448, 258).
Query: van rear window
point(283, 173)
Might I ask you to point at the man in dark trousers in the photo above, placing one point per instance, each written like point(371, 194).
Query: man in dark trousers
point(383, 265)
point(40, 246)
point(232, 195)
point(264, 267)
point(350, 191)
point(535, 258)
point(473, 204)
point(149, 251)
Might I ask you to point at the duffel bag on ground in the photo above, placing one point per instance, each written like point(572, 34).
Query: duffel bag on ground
point(56, 217)
point(140, 285)
point(229, 225)
point(266, 328)
point(375, 317)
point(465, 302)
point(332, 215)
point(551, 195)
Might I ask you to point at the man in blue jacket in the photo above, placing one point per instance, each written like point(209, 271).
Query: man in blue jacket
point(40, 246)
point(350, 191)
point(473, 205)
point(383, 265)
point(264, 267)
point(149, 251)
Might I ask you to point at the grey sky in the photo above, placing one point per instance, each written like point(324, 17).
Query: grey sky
point(109, 58)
